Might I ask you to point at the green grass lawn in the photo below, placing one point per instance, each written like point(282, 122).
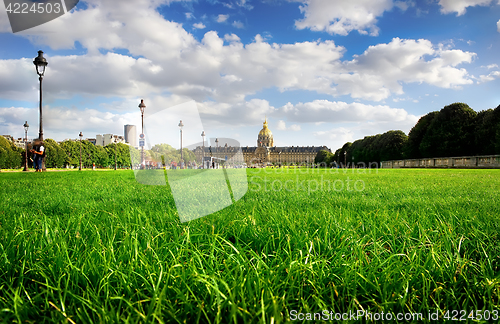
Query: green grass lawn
point(99, 247)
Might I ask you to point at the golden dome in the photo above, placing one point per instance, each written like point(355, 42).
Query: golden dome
point(265, 131)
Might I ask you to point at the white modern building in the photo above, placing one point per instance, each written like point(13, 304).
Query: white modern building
point(130, 132)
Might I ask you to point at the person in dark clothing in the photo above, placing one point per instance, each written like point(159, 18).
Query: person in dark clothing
point(39, 153)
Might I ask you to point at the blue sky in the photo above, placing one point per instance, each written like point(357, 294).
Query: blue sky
point(323, 72)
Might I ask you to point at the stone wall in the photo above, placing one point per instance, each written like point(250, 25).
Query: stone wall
point(468, 162)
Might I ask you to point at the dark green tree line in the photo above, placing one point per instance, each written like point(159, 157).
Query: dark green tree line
point(455, 130)
point(10, 155)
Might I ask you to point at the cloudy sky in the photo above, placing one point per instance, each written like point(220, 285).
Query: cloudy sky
point(323, 71)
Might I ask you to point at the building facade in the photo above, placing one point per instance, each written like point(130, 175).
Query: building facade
point(265, 152)
point(19, 142)
point(106, 139)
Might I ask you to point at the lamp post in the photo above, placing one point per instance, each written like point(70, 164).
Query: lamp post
point(280, 158)
point(26, 126)
point(115, 150)
point(142, 107)
point(345, 158)
point(81, 136)
point(180, 126)
point(203, 151)
point(217, 148)
point(40, 64)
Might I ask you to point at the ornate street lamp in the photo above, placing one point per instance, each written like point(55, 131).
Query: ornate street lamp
point(345, 158)
point(115, 150)
point(217, 149)
point(81, 136)
point(40, 64)
point(26, 126)
point(203, 152)
point(142, 107)
point(180, 126)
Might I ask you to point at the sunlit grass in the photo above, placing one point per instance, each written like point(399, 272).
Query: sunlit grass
point(100, 247)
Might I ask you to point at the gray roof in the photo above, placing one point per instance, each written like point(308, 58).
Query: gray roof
point(274, 149)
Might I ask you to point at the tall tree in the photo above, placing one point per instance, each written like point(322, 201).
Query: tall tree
point(417, 133)
point(10, 155)
point(377, 148)
point(324, 157)
point(392, 144)
point(450, 133)
point(72, 150)
point(56, 157)
point(487, 124)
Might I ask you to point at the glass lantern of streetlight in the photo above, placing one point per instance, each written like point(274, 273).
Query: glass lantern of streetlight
point(26, 126)
point(40, 63)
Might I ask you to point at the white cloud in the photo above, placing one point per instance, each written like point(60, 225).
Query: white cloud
point(354, 120)
point(199, 25)
point(189, 15)
point(228, 73)
point(244, 113)
point(222, 69)
point(382, 69)
point(342, 17)
point(498, 26)
point(231, 38)
point(61, 122)
point(102, 26)
point(65, 122)
point(490, 77)
point(343, 112)
point(244, 4)
point(404, 5)
point(238, 24)
point(460, 6)
point(282, 126)
point(18, 79)
point(222, 18)
point(339, 135)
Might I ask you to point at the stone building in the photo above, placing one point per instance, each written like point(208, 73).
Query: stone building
point(19, 142)
point(265, 152)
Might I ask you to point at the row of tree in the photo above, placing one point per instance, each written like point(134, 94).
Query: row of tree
point(68, 154)
point(166, 154)
point(455, 130)
point(10, 155)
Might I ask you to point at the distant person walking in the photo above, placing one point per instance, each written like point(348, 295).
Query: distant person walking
point(39, 153)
